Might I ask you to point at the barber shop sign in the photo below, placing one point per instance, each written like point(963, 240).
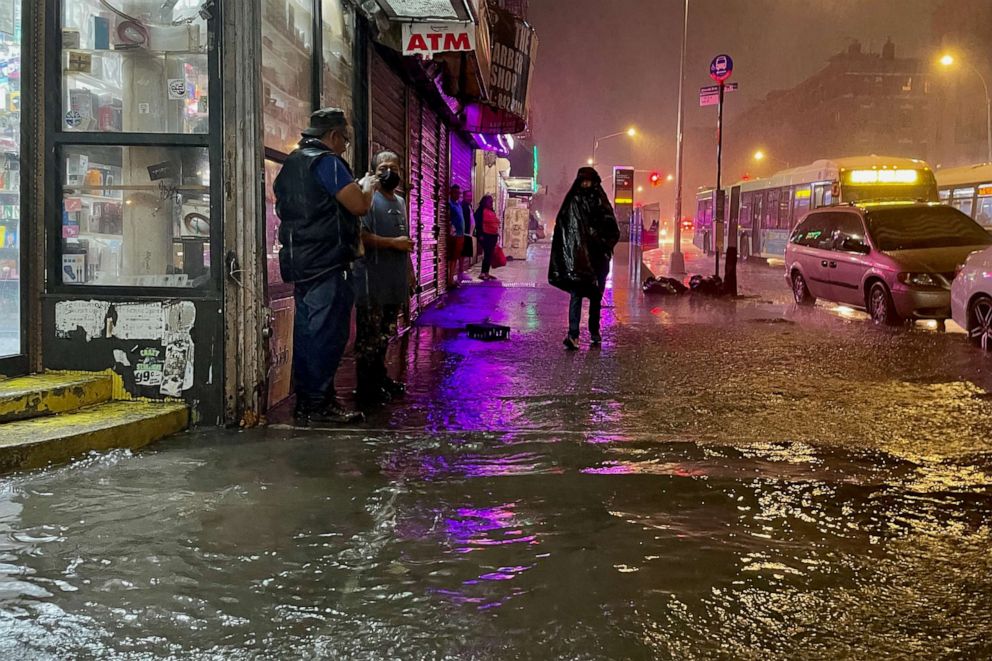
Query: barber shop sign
point(429, 38)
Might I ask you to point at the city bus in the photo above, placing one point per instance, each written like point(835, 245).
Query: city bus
point(968, 189)
point(762, 212)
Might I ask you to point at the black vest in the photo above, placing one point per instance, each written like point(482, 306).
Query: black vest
point(317, 234)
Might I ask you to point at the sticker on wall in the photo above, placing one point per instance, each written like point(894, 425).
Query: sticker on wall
point(73, 119)
point(138, 321)
point(144, 108)
point(177, 89)
point(148, 372)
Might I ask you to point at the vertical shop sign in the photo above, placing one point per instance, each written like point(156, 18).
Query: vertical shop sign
point(514, 44)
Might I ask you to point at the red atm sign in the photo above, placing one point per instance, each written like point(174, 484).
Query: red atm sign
point(429, 38)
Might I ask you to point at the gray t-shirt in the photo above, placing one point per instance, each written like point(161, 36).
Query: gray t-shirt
point(382, 276)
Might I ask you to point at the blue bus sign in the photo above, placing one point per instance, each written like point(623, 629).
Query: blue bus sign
point(721, 68)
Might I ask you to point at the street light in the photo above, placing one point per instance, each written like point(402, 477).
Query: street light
point(630, 133)
point(947, 60)
point(761, 155)
point(677, 263)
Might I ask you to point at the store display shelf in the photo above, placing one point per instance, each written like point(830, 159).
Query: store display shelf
point(138, 51)
point(81, 190)
point(101, 237)
point(91, 81)
point(269, 30)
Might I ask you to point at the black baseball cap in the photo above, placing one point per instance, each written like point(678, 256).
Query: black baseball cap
point(324, 120)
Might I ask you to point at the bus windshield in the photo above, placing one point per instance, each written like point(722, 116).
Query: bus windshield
point(910, 228)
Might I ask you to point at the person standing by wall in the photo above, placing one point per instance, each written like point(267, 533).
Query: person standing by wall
point(382, 284)
point(318, 203)
point(469, 251)
point(586, 232)
point(487, 223)
point(456, 235)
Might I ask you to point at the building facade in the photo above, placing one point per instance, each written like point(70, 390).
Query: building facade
point(860, 103)
point(142, 238)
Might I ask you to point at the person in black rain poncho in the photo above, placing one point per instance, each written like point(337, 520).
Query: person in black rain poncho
point(586, 232)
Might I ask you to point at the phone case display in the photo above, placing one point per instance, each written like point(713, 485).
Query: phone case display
point(137, 216)
point(10, 178)
point(287, 55)
point(134, 66)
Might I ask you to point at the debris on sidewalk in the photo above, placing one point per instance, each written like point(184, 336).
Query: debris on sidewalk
point(662, 286)
point(488, 332)
point(711, 285)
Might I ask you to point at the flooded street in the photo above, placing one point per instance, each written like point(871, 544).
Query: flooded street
point(723, 479)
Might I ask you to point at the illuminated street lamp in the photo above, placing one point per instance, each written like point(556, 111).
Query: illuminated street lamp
point(947, 60)
point(761, 155)
point(630, 133)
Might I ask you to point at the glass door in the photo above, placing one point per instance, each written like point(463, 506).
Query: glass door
point(12, 258)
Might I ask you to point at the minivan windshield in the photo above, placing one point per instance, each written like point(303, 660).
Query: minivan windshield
point(910, 228)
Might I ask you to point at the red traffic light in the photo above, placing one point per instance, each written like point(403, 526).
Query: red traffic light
point(655, 179)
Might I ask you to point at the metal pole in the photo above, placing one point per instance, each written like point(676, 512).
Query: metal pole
point(677, 264)
point(718, 206)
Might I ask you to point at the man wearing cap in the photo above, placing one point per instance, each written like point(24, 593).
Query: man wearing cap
point(319, 204)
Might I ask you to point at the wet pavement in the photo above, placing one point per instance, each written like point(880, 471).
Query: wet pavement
point(722, 479)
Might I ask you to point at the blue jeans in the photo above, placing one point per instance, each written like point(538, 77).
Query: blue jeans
point(595, 307)
point(320, 333)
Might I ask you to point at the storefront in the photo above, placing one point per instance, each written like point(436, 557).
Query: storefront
point(13, 189)
point(142, 238)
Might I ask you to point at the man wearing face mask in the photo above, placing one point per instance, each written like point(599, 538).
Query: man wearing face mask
point(383, 284)
point(318, 203)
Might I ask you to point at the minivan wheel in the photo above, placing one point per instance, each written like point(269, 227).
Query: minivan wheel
point(980, 322)
point(800, 291)
point(880, 306)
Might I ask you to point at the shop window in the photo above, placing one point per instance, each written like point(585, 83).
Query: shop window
point(10, 180)
point(287, 66)
point(338, 65)
point(276, 286)
point(134, 67)
point(136, 216)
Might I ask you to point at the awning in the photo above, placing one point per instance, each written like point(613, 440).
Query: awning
point(488, 71)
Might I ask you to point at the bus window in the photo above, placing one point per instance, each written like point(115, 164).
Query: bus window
point(745, 213)
point(963, 199)
point(945, 196)
point(802, 199)
point(983, 211)
point(785, 209)
point(771, 210)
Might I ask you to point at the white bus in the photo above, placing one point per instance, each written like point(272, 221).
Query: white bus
point(968, 189)
point(761, 213)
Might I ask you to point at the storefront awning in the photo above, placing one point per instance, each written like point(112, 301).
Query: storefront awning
point(487, 55)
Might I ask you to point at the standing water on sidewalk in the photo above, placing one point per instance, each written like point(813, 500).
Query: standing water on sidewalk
point(706, 485)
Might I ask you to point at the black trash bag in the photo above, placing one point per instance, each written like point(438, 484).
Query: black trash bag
point(711, 285)
point(586, 231)
point(664, 286)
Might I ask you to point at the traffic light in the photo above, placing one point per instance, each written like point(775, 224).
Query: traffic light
point(655, 179)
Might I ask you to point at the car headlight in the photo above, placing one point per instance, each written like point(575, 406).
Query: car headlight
point(920, 280)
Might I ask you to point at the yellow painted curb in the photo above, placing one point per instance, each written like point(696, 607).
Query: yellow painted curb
point(45, 394)
point(39, 442)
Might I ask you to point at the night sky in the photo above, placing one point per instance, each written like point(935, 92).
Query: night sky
point(603, 66)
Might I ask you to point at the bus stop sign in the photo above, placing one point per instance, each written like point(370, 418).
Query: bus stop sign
point(721, 68)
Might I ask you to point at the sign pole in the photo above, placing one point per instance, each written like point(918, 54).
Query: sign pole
point(677, 265)
point(718, 206)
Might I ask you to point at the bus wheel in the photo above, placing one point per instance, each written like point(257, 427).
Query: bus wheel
point(880, 306)
point(800, 291)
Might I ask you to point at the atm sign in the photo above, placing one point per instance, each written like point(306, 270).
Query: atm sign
point(445, 37)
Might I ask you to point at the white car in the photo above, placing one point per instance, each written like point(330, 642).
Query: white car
point(971, 298)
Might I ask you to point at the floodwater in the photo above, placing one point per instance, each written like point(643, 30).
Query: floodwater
point(740, 481)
